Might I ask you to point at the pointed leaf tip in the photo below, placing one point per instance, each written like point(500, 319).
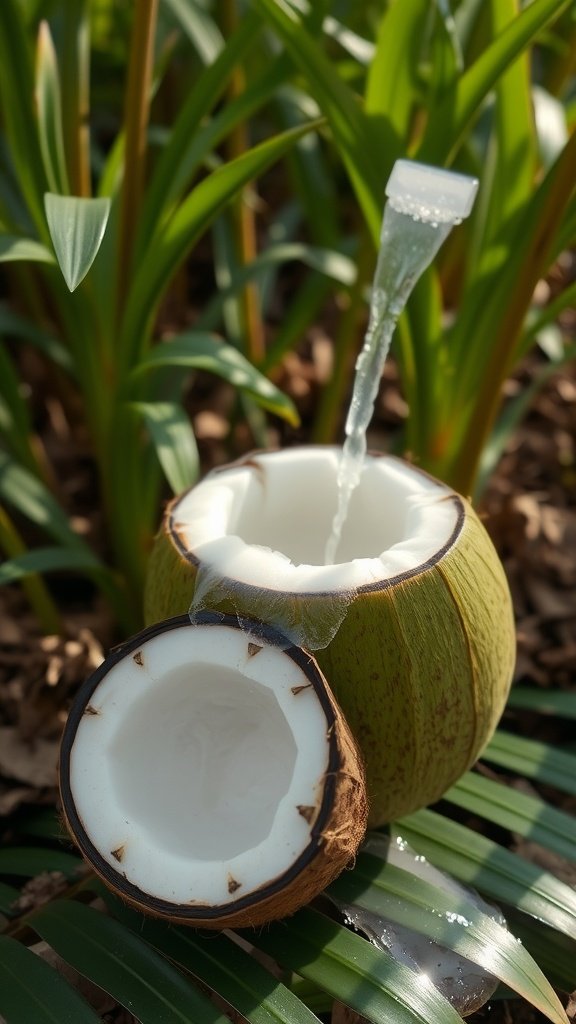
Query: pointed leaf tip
point(77, 227)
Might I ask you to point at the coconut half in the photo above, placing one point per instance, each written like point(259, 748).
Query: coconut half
point(208, 776)
point(412, 626)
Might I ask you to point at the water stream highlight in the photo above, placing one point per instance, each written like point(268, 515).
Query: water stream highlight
point(424, 204)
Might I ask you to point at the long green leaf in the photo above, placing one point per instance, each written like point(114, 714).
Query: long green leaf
point(28, 861)
point(539, 761)
point(13, 325)
point(186, 226)
point(350, 126)
point(174, 442)
point(352, 970)
point(202, 31)
point(50, 112)
point(528, 816)
point(199, 351)
point(393, 82)
point(32, 498)
point(123, 964)
point(452, 117)
point(13, 248)
point(40, 560)
point(497, 872)
point(32, 992)
point(77, 227)
point(453, 922)
point(173, 168)
point(222, 965)
point(546, 702)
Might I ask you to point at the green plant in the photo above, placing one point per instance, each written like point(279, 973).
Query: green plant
point(459, 97)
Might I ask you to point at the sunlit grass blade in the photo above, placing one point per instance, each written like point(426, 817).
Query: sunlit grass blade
point(554, 952)
point(174, 442)
point(29, 861)
point(32, 991)
point(352, 970)
point(497, 872)
point(452, 116)
point(539, 761)
point(546, 702)
point(199, 351)
point(349, 124)
point(123, 964)
point(194, 215)
point(77, 227)
point(454, 922)
point(13, 247)
point(394, 84)
point(227, 969)
point(48, 95)
point(529, 816)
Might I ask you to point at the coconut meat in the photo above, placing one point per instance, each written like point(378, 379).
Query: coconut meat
point(192, 763)
point(265, 521)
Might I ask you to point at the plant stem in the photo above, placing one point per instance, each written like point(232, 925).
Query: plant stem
point(76, 94)
point(135, 126)
point(244, 224)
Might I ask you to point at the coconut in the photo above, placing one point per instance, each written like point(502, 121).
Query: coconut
point(412, 626)
point(208, 776)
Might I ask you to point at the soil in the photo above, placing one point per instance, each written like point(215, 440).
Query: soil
point(529, 508)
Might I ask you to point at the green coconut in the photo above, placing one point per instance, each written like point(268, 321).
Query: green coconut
point(412, 627)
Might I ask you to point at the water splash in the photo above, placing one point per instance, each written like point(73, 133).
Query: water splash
point(424, 203)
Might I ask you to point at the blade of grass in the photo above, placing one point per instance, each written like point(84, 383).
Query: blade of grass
point(451, 118)
point(534, 760)
point(185, 227)
point(123, 964)
point(75, 75)
point(497, 872)
point(201, 29)
point(50, 112)
point(41, 602)
point(352, 970)
point(27, 862)
point(545, 702)
point(350, 127)
point(527, 815)
point(222, 965)
point(12, 247)
point(454, 922)
point(31, 990)
point(77, 228)
point(199, 351)
point(174, 442)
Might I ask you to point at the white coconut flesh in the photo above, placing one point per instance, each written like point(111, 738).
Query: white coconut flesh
point(195, 767)
point(265, 522)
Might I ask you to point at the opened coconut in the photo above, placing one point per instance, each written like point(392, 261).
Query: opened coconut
point(208, 776)
point(412, 626)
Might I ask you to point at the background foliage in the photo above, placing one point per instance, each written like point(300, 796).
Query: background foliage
point(137, 139)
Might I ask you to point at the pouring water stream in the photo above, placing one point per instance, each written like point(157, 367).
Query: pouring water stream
point(424, 204)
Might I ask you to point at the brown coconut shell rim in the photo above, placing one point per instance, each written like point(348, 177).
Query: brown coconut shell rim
point(171, 530)
point(193, 912)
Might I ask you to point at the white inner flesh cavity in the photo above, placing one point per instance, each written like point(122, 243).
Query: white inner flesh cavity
point(189, 777)
point(266, 523)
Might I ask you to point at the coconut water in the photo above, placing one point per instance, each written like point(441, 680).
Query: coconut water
point(424, 204)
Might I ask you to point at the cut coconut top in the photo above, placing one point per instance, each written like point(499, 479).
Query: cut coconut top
point(264, 522)
point(197, 764)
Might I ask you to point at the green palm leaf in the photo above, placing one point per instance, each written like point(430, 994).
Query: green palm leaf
point(32, 992)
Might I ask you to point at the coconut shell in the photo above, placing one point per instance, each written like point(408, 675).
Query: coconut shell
point(421, 664)
point(337, 821)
